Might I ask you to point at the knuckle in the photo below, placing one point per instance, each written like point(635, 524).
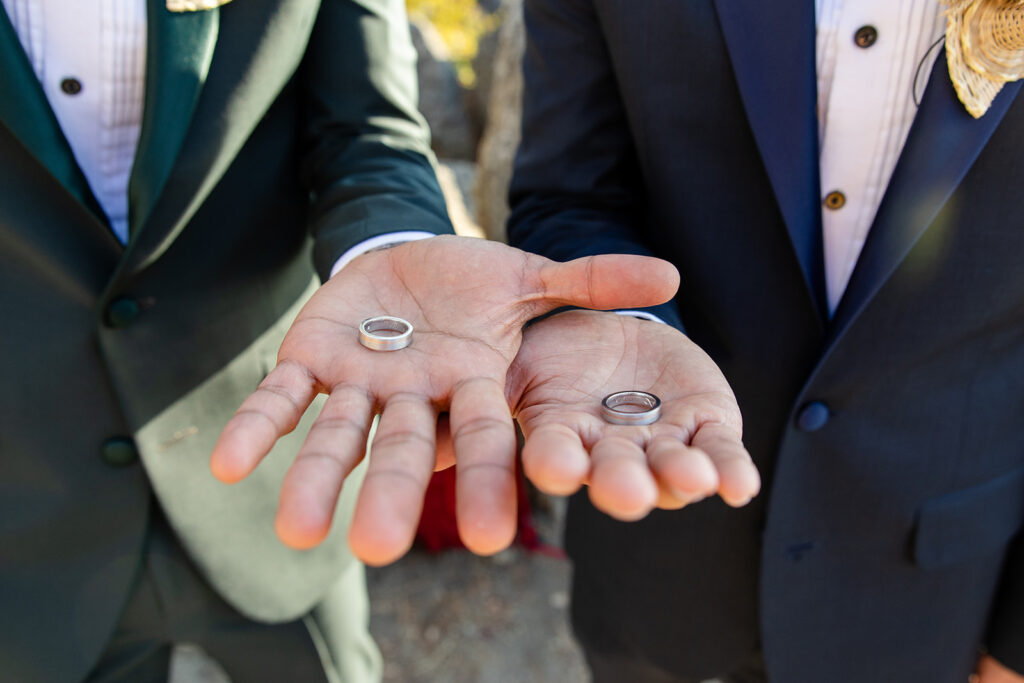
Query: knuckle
point(483, 425)
point(403, 437)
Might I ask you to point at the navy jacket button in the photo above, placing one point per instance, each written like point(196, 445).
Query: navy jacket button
point(813, 417)
point(119, 451)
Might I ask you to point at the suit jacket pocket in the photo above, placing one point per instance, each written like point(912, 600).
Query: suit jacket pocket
point(970, 522)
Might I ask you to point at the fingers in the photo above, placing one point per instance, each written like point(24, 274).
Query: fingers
point(621, 483)
point(684, 474)
point(715, 461)
point(738, 478)
point(608, 281)
point(391, 499)
point(555, 460)
point(333, 447)
point(269, 413)
point(485, 445)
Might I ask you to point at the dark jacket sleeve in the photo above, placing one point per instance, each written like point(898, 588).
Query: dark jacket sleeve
point(367, 161)
point(576, 189)
point(1005, 639)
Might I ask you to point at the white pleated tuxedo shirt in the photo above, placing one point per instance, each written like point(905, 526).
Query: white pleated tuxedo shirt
point(90, 57)
point(867, 101)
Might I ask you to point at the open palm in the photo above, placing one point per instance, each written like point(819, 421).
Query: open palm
point(467, 300)
point(569, 362)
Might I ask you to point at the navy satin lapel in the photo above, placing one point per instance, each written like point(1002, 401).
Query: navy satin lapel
point(772, 49)
point(26, 113)
point(943, 143)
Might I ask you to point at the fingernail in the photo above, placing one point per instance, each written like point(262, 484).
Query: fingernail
point(688, 496)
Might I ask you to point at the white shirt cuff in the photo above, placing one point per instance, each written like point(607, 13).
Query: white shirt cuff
point(378, 241)
point(643, 315)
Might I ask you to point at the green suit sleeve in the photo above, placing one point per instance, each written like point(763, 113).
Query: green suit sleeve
point(367, 160)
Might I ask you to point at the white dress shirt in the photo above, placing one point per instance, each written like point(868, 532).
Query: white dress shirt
point(866, 104)
point(90, 57)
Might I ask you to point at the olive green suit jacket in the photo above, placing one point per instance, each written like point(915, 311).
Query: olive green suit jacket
point(275, 132)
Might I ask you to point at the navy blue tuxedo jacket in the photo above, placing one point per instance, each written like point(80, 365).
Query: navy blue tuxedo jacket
point(885, 545)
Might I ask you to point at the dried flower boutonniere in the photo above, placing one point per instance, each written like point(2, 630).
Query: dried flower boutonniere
point(984, 49)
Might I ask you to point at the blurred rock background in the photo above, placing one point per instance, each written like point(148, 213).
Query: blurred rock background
point(470, 89)
point(453, 617)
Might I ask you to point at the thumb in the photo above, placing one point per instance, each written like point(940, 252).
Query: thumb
point(990, 670)
point(607, 281)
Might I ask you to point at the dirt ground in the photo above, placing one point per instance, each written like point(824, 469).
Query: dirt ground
point(457, 618)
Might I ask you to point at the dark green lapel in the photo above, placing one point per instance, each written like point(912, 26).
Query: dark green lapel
point(25, 111)
point(259, 45)
point(178, 54)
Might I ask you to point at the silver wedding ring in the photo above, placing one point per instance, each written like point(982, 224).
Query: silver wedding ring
point(631, 408)
point(385, 333)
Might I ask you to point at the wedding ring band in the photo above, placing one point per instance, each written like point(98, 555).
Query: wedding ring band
point(398, 333)
point(631, 408)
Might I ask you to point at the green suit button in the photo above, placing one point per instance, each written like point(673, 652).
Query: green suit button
point(122, 312)
point(119, 451)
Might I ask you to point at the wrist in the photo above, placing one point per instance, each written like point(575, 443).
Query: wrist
point(378, 243)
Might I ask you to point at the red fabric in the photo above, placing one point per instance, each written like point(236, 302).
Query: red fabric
point(438, 531)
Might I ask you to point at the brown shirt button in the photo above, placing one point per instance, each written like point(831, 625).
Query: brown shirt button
point(865, 36)
point(835, 200)
point(71, 86)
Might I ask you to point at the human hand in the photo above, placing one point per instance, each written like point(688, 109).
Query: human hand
point(468, 300)
point(569, 362)
point(991, 671)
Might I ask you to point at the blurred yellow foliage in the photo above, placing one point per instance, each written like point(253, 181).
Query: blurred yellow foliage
point(462, 24)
